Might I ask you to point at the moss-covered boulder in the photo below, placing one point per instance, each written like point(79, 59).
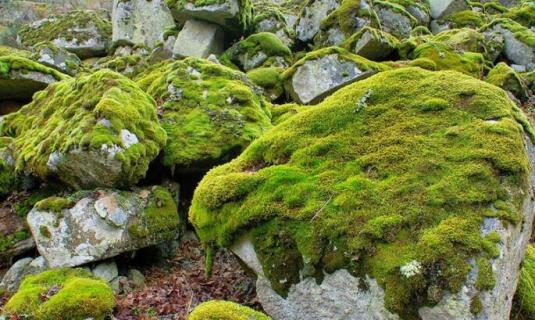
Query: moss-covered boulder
point(210, 112)
point(506, 78)
point(371, 43)
point(90, 226)
point(129, 65)
point(277, 18)
point(315, 11)
point(234, 15)
point(98, 130)
point(62, 294)
point(55, 57)
point(225, 310)
point(270, 80)
point(83, 32)
point(394, 18)
point(263, 49)
point(319, 73)
point(525, 294)
point(21, 77)
point(407, 180)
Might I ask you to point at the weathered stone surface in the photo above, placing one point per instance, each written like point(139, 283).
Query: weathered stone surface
point(398, 23)
point(58, 58)
point(309, 22)
point(198, 39)
point(106, 271)
point(441, 8)
point(104, 224)
point(20, 269)
point(372, 44)
point(140, 22)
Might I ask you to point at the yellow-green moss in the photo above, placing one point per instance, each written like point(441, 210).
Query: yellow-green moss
point(225, 310)
point(465, 19)
point(20, 63)
point(60, 294)
point(523, 14)
point(6, 51)
point(282, 112)
point(410, 174)
point(54, 204)
point(270, 79)
point(525, 294)
point(209, 111)
point(506, 78)
point(68, 116)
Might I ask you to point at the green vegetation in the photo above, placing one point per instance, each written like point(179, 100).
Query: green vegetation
point(225, 310)
point(525, 294)
point(210, 112)
point(506, 78)
point(523, 14)
point(60, 294)
point(270, 79)
point(408, 176)
point(54, 204)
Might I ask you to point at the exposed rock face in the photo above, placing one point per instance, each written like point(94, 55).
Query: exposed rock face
point(398, 23)
point(20, 269)
point(199, 39)
point(113, 144)
point(318, 75)
point(372, 43)
point(58, 58)
point(84, 33)
point(102, 224)
point(515, 48)
point(299, 192)
point(441, 8)
point(309, 22)
point(140, 22)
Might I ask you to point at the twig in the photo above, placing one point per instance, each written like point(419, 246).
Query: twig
point(322, 207)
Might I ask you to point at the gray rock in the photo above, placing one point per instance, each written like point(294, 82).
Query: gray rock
point(106, 271)
point(58, 58)
point(309, 22)
point(373, 45)
point(22, 84)
point(140, 22)
point(19, 270)
point(278, 26)
point(84, 234)
point(394, 22)
point(517, 51)
point(136, 278)
point(227, 13)
point(441, 8)
point(315, 79)
point(121, 285)
point(198, 39)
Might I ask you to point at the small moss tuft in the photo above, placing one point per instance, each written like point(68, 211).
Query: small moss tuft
point(225, 310)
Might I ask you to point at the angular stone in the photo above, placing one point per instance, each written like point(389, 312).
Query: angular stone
point(441, 8)
point(58, 58)
point(140, 22)
point(372, 44)
point(19, 270)
point(80, 235)
point(309, 22)
point(199, 39)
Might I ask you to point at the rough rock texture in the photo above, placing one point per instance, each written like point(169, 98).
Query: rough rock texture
point(309, 22)
point(140, 22)
point(199, 39)
point(106, 271)
point(55, 57)
point(372, 44)
point(322, 72)
point(19, 270)
point(210, 112)
point(20, 77)
point(441, 8)
point(84, 33)
point(395, 20)
point(96, 130)
point(433, 169)
point(92, 226)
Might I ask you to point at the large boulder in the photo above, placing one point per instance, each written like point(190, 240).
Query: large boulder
point(62, 294)
point(20, 77)
point(210, 112)
point(371, 43)
point(98, 130)
point(277, 18)
point(233, 15)
point(199, 39)
point(92, 226)
point(324, 71)
point(55, 57)
point(311, 17)
point(85, 33)
point(394, 19)
point(409, 194)
point(140, 22)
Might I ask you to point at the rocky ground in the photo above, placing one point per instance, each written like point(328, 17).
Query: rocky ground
point(267, 159)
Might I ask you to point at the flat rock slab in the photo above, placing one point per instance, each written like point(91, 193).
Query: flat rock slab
point(198, 39)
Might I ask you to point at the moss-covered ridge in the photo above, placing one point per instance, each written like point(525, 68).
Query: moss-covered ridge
point(225, 310)
point(99, 112)
point(60, 294)
point(394, 171)
point(210, 112)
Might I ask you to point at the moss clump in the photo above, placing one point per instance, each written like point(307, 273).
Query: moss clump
point(506, 78)
point(68, 27)
point(523, 14)
point(54, 204)
point(520, 32)
point(409, 175)
point(525, 295)
point(285, 111)
point(62, 294)
point(465, 19)
point(6, 51)
point(210, 112)
point(9, 179)
point(89, 114)
point(225, 310)
point(270, 79)
point(160, 215)
point(261, 49)
point(129, 66)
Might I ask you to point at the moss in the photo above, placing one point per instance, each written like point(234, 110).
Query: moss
point(69, 26)
point(18, 63)
point(8, 241)
point(520, 32)
point(384, 38)
point(523, 14)
point(43, 230)
point(485, 277)
point(225, 310)
point(160, 215)
point(407, 177)
point(525, 295)
point(54, 204)
point(62, 294)
point(68, 116)
point(210, 112)
point(9, 179)
point(129, 66)
point(506, 78)
point(475, 305)
point(285, 111)
point(252, 48)
point(465, 19)
point(7, 51)
point(270, 79)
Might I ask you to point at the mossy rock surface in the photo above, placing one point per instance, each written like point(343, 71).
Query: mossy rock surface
point(397, 170)
point(225, 310)
point(210, 112)
point(99, 129)
point(525, 294)
point(60, 294)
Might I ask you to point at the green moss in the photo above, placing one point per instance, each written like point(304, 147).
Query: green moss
point(225, 310)
point(69, 26)
point(270, 79)
point(129, 66)
point(62, 294)
point(465, 19)
point(520, 32)
point(523, 14)
point(8, 241)
point(411, 176)
point(7, 51)
point(18, 63)
point(160, 215)
point(54, 204)
point(525, 294)
point(210, 112)
point(68, 116)
point(382, 37)
point(475, 305)
point(9, 179)
point(285, 111)
point(506, 78)
point(43, 230)
point(485, 276)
